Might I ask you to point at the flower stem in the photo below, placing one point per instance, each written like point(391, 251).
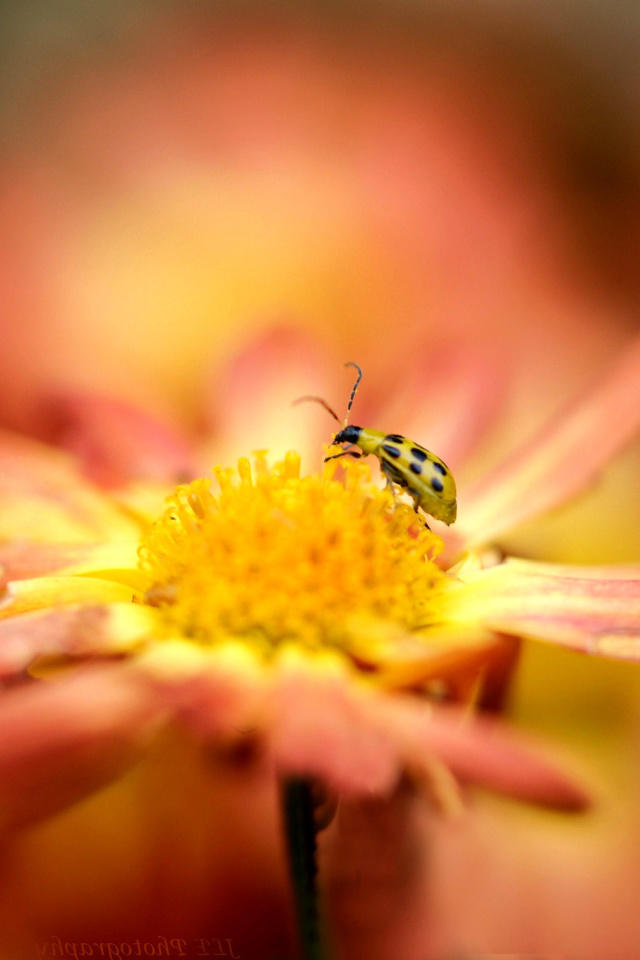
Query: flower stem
point(300, 830)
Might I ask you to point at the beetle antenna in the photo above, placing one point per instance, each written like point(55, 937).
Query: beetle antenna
point(323, 403)
point(355, 387)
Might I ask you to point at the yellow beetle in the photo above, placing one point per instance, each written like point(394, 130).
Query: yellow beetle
point(421, 473)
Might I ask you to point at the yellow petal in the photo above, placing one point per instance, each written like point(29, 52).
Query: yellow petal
point(40, 592)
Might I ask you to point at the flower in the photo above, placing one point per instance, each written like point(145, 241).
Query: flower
point(297, 615)
point(260, 608)
point(306, 173)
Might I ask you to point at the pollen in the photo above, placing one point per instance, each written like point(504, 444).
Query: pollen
point(266, 556)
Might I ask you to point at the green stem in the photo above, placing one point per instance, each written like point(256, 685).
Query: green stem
point(300, 831)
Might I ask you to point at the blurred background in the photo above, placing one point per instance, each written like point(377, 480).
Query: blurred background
point(389, 179)
point(177, 177)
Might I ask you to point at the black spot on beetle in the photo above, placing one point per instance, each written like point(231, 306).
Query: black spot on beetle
point(439, 468)
point(436, 484)
point(415, 468)
point(392, 451)
point(395, 437)
point(419, 454)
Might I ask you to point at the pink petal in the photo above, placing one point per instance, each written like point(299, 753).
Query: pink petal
point(61, 741)
point(318, 720)
point(484, 752)
point(594, 614)
point(73, 631)
point(117, 443)
point(252, 402)
point(562, 460)
point(447, 399)
point(220, 693)
point(325, 726)
point(44, 498)
point(330, 725)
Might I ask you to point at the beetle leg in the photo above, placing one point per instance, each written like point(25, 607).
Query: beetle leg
point(390, 485)
point(348, 452)
point(416, 504)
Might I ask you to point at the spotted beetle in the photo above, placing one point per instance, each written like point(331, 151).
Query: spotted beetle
point(423, 475)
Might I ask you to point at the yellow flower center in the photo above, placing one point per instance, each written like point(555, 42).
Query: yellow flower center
point(271, 557)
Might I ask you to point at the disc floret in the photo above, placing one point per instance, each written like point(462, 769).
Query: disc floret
point(270, 557)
